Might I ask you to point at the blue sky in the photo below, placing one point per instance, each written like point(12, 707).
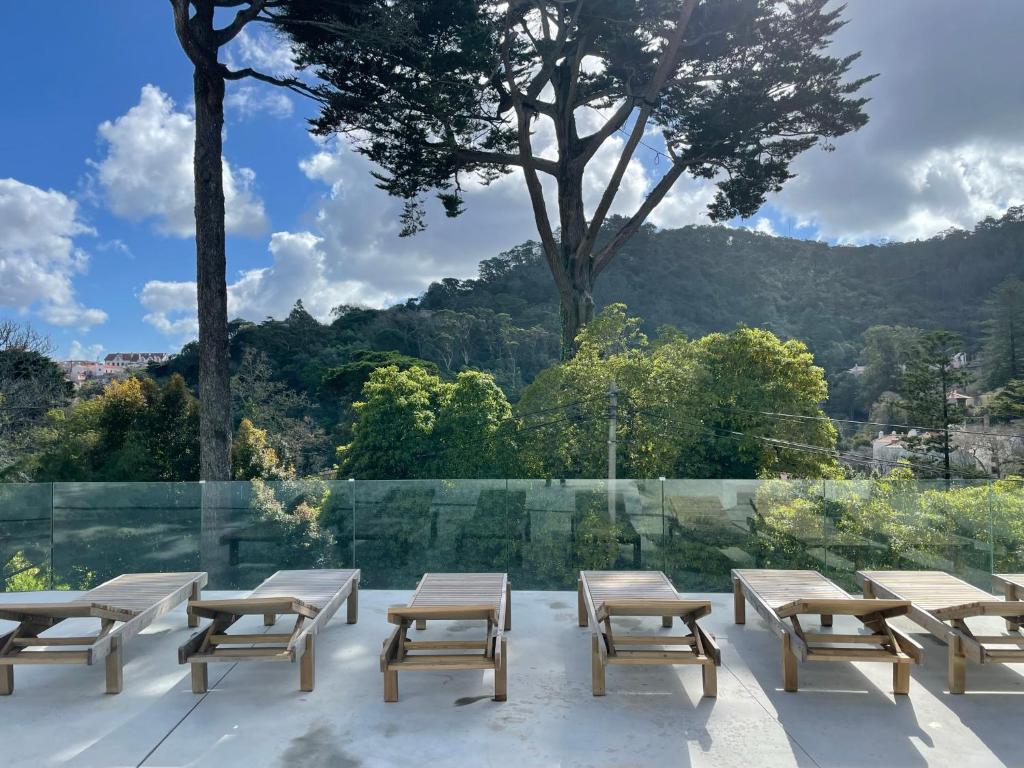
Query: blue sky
point(94, 208)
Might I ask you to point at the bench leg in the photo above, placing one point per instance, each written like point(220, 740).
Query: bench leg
point(200, 678)
point(826, 620)
point(193, 621)
point(1010, 592)
point(6, 679)
point(597, 668)
point(269, 619)
point(390, 685)
point(352, 605)
point(710, 675)
point(666, 621)
point(957, 667)
point(307, 667)
point(738, 602)
point(115, 667)
point(508, 607)
point(581, 604)
point(901, 679)
point(421, 624)
point(789, 673)
point(501, 675)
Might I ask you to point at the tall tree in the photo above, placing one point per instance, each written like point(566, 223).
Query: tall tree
point(31, 384)
point(929, 380)
point(201, 39)
point(1003, 350)
point(453, 88)
point(885, 353)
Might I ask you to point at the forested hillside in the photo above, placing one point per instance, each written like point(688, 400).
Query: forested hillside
point(698, 279)
point(702, 279)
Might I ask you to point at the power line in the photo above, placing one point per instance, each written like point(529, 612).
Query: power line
point(804, 447)
point(801, 417)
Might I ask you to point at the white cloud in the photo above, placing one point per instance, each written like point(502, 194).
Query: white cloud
point(38, 256)
point(263, 50)
point(943, 146)
point(250, 100)
point(299, 270)
point(147, 171)
point(79, 351)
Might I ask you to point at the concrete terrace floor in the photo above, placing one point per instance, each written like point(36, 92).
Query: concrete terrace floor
point(254, 714)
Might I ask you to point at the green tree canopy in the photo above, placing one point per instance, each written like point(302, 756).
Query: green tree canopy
point(1002, 353)
point(687, 408)
point(137, 430)
point(412, 424)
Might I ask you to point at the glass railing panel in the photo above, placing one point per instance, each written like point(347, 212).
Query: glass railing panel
point(711, 527)
point(252, 529)
point(101, 530)
point(1007, 508)
point(404, 528)
point(579, 525)
point(25, 544)
point(902, 523)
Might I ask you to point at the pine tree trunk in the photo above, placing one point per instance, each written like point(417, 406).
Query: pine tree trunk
point(577, 303)
point(214, 375)
point(577, 309)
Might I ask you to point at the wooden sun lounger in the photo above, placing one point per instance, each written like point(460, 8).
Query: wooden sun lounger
point(124, 606)
point(450, 597)
point(312, 597)
point(942, 604)
point(1012, 585)
point(604, 595)
point(781, 597)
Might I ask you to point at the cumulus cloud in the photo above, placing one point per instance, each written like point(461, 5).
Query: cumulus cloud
point(80, 351)
point(38, 255)
point(262, 49)
point(249, 100)
point(147, 170)
point(943, 147)
point(299, 270)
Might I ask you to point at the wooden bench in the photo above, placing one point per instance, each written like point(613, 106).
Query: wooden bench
point(124, 607)
point(942, 604)
point(604, 595)
point(312, 596)
point(1012, 585)
point(781, 597)
point(451, 597)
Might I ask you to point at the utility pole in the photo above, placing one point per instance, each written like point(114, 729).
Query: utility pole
point(613, 418)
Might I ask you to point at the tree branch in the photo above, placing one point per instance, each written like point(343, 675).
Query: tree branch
point(243, 17)
point(665, 66)
point(290, 83)
point(627, 230)
point(533, 185)
point(505, 158)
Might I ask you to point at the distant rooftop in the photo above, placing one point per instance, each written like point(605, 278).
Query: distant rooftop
point(254, 714)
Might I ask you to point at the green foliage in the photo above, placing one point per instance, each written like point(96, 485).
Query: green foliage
point(19, 574)
point(137, 430)
point(927, 383)
point(689, 408)
point(289, 417)
point(31, 384)
point(886, 352)
point(1008, 403)
point(252, 456)
point(1003, 340)
point(412, 424)
point(403, 74)
point(288, 516)
point(895, 522)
